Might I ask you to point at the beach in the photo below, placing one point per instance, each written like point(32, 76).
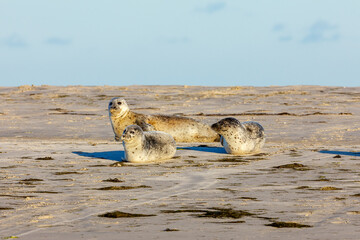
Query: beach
point(62, 175)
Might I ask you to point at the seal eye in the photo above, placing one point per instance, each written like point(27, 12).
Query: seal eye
point(110, 103)
point(119, 103)
point(132, 132)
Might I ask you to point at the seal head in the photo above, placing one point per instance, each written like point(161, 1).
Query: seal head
point(118, 107)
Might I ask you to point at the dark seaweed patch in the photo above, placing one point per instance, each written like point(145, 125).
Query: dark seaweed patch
point(30, 181)
point(249, 198)
point(113, 180)
point(329, 188)
point(6, 208)
point(66, 173)
point(118, 214)
point(98, 165)
point(230, 160)
point(337, 156)
point(183, 211)
point(122, 187)
point(287, 225)
point(213, 213)
point(294, 166)
point(8, 167)
point(230, 222)
point(224, 213)
point(44, 158)
point(356, 195)
point(339, 198)
point(63, 96)
point(171, 230)
point(50, 192)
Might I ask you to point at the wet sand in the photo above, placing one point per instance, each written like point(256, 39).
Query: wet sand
point(61, 170)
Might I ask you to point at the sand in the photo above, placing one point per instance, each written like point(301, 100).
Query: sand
point(61, 170)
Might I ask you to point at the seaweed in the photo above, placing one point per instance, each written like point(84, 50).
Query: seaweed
point(329, 188)
point(50, 192)
point(249, 198)
point(118, 214)
point(294, 166)
point(183, 211)
point(98, 165)
point(66, 173)
point(230, 160)
point(214, 213)
point(44, 158)
point(122, 187)
point(113, 180)
point(171, 230)
point(287, 225)
point(227, 222)
point(224, 213)
point(6, 208)
point(31, 180)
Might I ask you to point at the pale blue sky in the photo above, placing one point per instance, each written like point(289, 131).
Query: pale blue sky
point(180, 42)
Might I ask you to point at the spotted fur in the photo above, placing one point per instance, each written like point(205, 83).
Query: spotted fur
point(183, 129)
point(240, 138)
point(143, 147)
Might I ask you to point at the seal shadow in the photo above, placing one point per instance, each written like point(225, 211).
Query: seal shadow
point(205, 149)
point(355, 154)
point(109, 155)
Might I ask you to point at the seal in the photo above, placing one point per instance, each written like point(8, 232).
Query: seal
point(143, 147)
point(240, 138)
point(182, 129)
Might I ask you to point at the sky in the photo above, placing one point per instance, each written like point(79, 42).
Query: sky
point(180, 42)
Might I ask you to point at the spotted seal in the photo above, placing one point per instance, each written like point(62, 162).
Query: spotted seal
point(183, 129)
point(240, 138)
point(142, 147)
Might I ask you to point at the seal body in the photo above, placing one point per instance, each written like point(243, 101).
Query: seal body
point(182, 129)
point(143, 147)
point(240, 138)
